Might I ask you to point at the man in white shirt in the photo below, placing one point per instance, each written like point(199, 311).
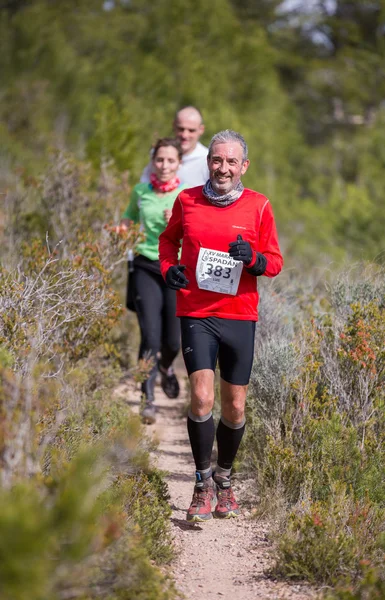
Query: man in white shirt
point(188, 128)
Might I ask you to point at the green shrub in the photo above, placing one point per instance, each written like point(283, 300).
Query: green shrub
point(316, 405)
point(316, 425)
point(83, 512)
point(371, 584)
point(65, 533)
point(326, 542)
point(94, 500)
point(145, 502)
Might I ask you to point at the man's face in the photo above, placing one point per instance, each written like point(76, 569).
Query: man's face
point(188, 129)
point(226, 166)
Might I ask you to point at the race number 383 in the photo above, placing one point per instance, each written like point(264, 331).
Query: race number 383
point(217, 272)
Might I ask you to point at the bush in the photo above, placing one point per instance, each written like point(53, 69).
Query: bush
point(371, 584)
point(326, 542)
point(83, 513)
point(316, 423)
point(91, 501)
point(61, 537)
point(67, 198)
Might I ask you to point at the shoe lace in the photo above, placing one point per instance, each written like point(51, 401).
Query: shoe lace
point(225, 497)
point(200, 497)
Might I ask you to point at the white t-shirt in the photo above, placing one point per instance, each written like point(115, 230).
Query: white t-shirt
point(193, 168)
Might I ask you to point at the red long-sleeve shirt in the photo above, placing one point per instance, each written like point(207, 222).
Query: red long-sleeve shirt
point(196, 223)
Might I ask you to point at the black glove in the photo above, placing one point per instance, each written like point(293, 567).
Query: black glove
point(175, 278)
point(259, 267)
point(241, 250)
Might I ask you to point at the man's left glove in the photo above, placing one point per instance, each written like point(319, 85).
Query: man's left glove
point(241, 250)
point(175, 278)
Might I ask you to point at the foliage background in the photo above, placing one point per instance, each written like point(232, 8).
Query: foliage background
point(305, 86)
point(86, 88)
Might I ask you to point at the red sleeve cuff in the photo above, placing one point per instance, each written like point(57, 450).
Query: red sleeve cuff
point(253, 260)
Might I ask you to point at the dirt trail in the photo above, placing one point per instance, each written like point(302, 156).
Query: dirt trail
point(218, 559)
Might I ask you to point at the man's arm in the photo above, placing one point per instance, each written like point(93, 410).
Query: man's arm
point(268, 259)
point(271, 261)
point(170, 239)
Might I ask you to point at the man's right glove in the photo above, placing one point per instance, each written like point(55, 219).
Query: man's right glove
point(241, 250)
point(175, 278)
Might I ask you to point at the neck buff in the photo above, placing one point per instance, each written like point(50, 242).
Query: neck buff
point(164, 186)
point(224, 200)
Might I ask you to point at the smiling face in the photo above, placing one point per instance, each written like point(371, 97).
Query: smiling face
point(226, 166)
point(166, 163)
point(188, 129)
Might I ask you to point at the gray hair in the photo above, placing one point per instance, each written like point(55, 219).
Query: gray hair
point(228, 135)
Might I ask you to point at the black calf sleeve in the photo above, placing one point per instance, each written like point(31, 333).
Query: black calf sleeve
point(229, 437)
point(201, 433)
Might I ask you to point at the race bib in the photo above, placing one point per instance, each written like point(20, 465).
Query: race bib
point(217, 272)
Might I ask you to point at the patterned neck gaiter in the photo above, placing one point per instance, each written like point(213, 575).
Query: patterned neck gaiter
point(225, 199)
point(166, 186)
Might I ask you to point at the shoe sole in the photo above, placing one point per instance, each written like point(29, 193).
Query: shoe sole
point(229, 515)
point(198, 518)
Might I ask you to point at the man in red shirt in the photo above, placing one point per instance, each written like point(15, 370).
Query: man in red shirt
point(228, 237)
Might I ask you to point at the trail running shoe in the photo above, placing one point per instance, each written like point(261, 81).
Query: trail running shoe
point(148, 413)
point(200, 507)
point(169, 382)
point(227, 505)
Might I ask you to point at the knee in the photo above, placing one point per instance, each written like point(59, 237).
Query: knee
point(234, 414)
point(202, 400)
point(174, 347)
point(150, 341)
point(234, 411)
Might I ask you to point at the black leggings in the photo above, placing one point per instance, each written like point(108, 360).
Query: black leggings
point(155, 306)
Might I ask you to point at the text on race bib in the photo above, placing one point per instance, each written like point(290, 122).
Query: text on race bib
point(217, 272)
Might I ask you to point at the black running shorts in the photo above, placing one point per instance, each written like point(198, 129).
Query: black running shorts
point(229, 340)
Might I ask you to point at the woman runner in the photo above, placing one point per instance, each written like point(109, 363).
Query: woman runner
point(155, 303)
